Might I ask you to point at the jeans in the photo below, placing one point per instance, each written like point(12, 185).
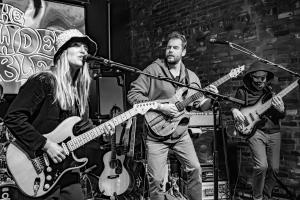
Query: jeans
point(157, 160)
point(265, 150)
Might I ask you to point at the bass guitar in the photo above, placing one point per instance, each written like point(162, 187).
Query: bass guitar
point(115, 178)
point(37, 176)
point(253, 114)
point(163, 125)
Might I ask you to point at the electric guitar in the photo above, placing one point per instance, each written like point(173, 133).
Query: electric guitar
point(37, 176)
point(115, 178)
point(253, 114)
point(163, 125)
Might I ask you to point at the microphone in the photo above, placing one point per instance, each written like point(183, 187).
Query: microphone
point(89, 57)
point(215, 41)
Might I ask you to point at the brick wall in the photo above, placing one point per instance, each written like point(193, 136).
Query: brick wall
point(270, 28)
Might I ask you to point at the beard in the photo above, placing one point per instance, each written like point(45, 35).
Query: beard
point(172, 60)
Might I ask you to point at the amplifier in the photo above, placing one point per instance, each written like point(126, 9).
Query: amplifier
point(201, 119)
point(208, 190)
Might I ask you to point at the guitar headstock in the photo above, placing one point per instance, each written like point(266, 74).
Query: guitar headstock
point(142, 108)
point(236, 71)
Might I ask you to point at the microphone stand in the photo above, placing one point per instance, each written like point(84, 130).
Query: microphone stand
point(213, 96)
point(248, 52)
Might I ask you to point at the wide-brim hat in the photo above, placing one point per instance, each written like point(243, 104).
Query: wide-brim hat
point(65, 38)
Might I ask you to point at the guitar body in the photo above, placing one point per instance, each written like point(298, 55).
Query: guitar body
point(252, 119)
point(163, 125)
point(29, 174)
point(114, 180)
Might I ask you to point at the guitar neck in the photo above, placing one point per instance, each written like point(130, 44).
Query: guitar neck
point(282, 93)
point(84, 138)
point(197, 95)
point(113, 146)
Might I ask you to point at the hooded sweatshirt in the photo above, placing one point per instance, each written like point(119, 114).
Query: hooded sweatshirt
point(251, 95)
point(145, 88)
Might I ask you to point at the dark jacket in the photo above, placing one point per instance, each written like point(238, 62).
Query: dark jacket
point(251, 95)
point(34, 112)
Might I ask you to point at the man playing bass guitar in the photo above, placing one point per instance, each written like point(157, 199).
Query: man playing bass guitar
point(265, 138)
point(145, 89)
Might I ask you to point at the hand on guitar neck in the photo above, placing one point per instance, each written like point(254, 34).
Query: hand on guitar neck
point(278, 104)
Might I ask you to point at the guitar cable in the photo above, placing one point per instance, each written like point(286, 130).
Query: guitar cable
point(239, 170)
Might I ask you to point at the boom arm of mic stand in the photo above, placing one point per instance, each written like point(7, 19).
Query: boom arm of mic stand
point(135, 70)
point(248, 52)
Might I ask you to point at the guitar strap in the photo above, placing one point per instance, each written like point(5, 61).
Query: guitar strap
point(266, 94)
point(186, 78)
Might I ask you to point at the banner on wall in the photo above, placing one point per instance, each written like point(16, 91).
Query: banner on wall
point(28, 30)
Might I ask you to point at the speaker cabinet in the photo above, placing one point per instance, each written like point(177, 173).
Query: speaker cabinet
point(106, 92)
point(203, 143)
point(204, 147)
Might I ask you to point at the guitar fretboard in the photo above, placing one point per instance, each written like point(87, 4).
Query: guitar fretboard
point(197, 95)
point(282, 93)
point(84, 138)
point(97, 131)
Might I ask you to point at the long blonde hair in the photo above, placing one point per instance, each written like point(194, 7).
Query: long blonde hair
point(66, 93)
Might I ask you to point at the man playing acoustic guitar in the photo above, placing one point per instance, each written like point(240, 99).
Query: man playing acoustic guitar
point(265, 139)
point(145, 89)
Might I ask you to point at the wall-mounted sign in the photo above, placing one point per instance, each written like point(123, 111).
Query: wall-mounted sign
point(28, 30)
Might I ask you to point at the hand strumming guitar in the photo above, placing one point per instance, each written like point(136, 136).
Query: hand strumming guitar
point(169, 109)
point(55, 151)
point(238, 117)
